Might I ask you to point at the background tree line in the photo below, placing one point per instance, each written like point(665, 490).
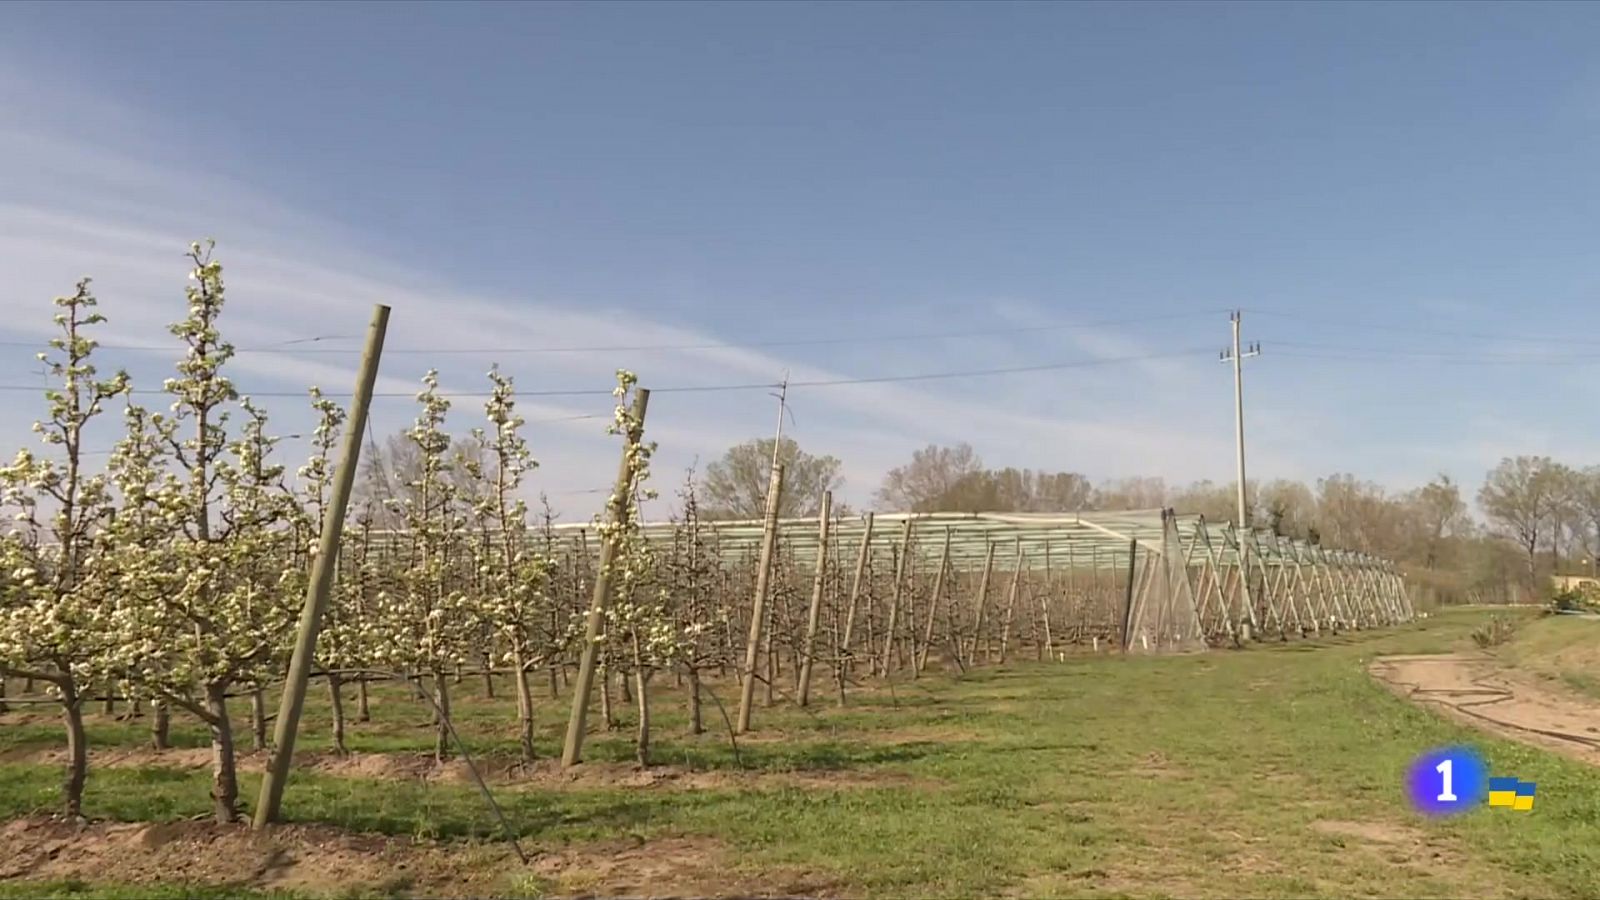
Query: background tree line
point(1534, 516)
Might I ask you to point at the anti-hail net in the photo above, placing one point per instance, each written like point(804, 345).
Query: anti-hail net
point(1162, 615)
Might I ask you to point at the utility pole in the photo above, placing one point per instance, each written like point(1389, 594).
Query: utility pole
point(1234, 355)
point(783, 408)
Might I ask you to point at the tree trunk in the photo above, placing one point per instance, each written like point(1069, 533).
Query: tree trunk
point(696, 723)
point(1533, 571)
point(258, 718)
point(336, 704)
point(488, 678)
point(524, 706)
point(441, 747)
point(642, 692)
point(555, 685)
point(772, 668)
point(627, 689)
point(224, 774)
point(606, 712)
point(363, 705)
point(77, 748)
point(160, 725)
point(3, 707)
point(110, 708)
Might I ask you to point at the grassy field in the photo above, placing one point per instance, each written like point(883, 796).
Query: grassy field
point(1561, 649)
point(1271, 772)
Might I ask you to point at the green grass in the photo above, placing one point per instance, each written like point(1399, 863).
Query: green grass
point(1562, 649)
point(1192, 776)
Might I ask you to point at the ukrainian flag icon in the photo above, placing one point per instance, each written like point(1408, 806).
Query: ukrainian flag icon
point(1511, 793)
point(1524, 801)
point(1503, 792)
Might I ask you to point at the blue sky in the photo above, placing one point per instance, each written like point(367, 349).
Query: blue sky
point(1402, 198)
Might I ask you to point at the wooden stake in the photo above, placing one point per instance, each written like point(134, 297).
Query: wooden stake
point(1011, 603)
point(1127, 604)
point(769, 538)
point(894, 597)
point(577, 722)
point(841, 665)
point(933, 605)
point(323, 570)
point(983, 596)
point(804, 694)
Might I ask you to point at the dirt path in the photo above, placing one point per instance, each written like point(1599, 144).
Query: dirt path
point(1479, 690)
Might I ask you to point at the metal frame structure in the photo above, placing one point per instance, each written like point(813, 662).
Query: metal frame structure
point(1077, 567)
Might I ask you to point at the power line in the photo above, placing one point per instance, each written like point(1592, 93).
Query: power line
point(634, 348)
point(1397, 355)
point(709, 388)
point(1403, 351)
point(1076, 364)
point(1431, 332)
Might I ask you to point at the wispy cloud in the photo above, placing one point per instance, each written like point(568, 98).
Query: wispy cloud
point(84, 208)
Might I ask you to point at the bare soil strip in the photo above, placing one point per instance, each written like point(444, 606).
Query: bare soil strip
point(543, 774)
point(1477, 689)
point(324, 860)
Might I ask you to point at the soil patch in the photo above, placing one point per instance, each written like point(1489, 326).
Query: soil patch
point(549, 774)
point(545, 774)
point(920, 734)
point(300, 858)
point(1370, 832)
point(322, 860)
point(1398, 845)
point(1478, 690)
point(1156, 765)
point(670, 867)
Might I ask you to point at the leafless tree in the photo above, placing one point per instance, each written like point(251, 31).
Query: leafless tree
point(1132, 493)
point(934, 474)
point(1521, 495)
point(736, 486)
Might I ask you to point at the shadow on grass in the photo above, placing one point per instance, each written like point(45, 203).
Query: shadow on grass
point(759, 756)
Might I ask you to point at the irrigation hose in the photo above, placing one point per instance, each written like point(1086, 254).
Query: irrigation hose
point(1495, 694)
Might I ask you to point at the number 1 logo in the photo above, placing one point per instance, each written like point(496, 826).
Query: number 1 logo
point(1447, 780)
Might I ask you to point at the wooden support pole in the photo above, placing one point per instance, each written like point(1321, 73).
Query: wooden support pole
point(894, 596)
point(1127, 603)
point(863, 557)
point(983, 596)
point(809, 654)
point(758, 607)
point(1049, 647)
point(933, 605)
point(577, 721)
point(323, 569)
point(1011, 603)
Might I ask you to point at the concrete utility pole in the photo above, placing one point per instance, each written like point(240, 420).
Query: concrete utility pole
point(1233, 355)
